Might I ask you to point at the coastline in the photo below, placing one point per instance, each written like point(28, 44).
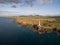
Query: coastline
point(40, 30)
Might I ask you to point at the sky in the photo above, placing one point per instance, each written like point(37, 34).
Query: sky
point(30, 7)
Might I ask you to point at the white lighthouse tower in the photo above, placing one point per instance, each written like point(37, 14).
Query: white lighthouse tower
point(39, 24)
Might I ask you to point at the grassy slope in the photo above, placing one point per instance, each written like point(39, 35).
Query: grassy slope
point(45, 21)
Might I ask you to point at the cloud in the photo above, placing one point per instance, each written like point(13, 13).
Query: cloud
point(26, 2)
point(9, 1)
point(29, 2)
point(16, 1)
point(45, 1)
point(40, 1)
point(13, 6)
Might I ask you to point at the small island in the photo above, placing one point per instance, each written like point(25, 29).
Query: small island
point(40, 24)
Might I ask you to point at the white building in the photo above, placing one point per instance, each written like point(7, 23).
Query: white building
point(39, 24)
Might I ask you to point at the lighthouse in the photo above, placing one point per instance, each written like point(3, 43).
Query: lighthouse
point(39, 24)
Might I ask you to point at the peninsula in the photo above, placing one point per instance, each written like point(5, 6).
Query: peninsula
point(40, 24)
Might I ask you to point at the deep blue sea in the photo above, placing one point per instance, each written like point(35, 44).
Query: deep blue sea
point(14, 34)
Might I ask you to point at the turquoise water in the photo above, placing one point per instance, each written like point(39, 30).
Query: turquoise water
point(14, 34)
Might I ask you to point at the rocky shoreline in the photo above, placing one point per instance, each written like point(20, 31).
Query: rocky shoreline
point(33, 24)
point(42, 30)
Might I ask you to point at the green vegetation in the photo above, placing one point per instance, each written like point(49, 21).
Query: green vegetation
point(45, 21)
